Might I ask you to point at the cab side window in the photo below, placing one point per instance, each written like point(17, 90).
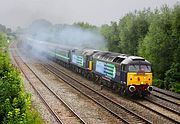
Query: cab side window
point(123, 67)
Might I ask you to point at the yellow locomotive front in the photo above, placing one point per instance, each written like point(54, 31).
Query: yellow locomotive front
point(139, 78)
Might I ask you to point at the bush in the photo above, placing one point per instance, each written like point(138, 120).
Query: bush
point(172, 79)
point(14, 102)
point(158, 83)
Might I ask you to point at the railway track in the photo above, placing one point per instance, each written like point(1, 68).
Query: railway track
point(174, 98)
point(124, 114)
point(164, 104)
point(165, 98)
point(22, 65)
point(56, 72)
point(173, 113)
point(170, 115)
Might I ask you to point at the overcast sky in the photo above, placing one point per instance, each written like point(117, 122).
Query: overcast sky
point(15, 13)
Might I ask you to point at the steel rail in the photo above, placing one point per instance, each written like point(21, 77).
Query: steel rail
point(57, 71)
point(51, 110)
point(37, 92)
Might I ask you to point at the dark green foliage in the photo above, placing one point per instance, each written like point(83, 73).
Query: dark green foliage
point(158, 83)
point(157, 42)
point(126, 35)
point(86, 25)
point(162, 47)
point(172, 79)
point(133, 28)
point(154, 35)
point(176, 32)
point(111, 34)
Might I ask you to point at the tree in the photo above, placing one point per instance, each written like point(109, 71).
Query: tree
point(111, 34)
point(172, 79)
point(2, 28)
point(85, 25)
point(158, 41)
point(133, 28)
point(176, 32)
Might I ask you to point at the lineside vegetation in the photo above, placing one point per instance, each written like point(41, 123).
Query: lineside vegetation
point(15, 103)
point(154, 35)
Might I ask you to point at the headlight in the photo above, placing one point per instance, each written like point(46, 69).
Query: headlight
point(150, 88)
point(132, 88)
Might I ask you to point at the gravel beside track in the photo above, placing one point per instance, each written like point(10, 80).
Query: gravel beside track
point(42, 92)
point(148, 114)
point(92, 113)
point(115, 108)
point(166, 97)
point(36, 100)
point(164, 104)
point(161, 107)
point(167, 93)
point(171, 116)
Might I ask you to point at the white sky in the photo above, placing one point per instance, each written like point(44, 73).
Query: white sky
point(15, 13)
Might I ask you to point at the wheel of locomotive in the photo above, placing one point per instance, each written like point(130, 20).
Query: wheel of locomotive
point(127, 93)
point(80, 70)
point(105, 82)
point(96, 78)
point(115, 87)
point(77, 69)
point(122, 90)
point(89, 77)
point(109, 84)
point(93, 77)
point(70, 67)
point(73, 68)
point(62, 63)
point(83, 73)
point(100, 81)
point(67, 65)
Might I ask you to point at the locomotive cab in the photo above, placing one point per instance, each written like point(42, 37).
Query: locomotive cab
point(138, 75)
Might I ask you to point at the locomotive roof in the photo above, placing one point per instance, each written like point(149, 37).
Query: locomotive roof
point(135, 60)
point(89, 52)
point(119, 58)
point(110, 56)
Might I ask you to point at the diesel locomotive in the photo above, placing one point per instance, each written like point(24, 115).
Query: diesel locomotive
point(122, 73)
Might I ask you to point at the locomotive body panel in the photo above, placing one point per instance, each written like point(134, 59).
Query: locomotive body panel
point(78, 60)
point(134, 78)
point(108, 70)
point(62, 55)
